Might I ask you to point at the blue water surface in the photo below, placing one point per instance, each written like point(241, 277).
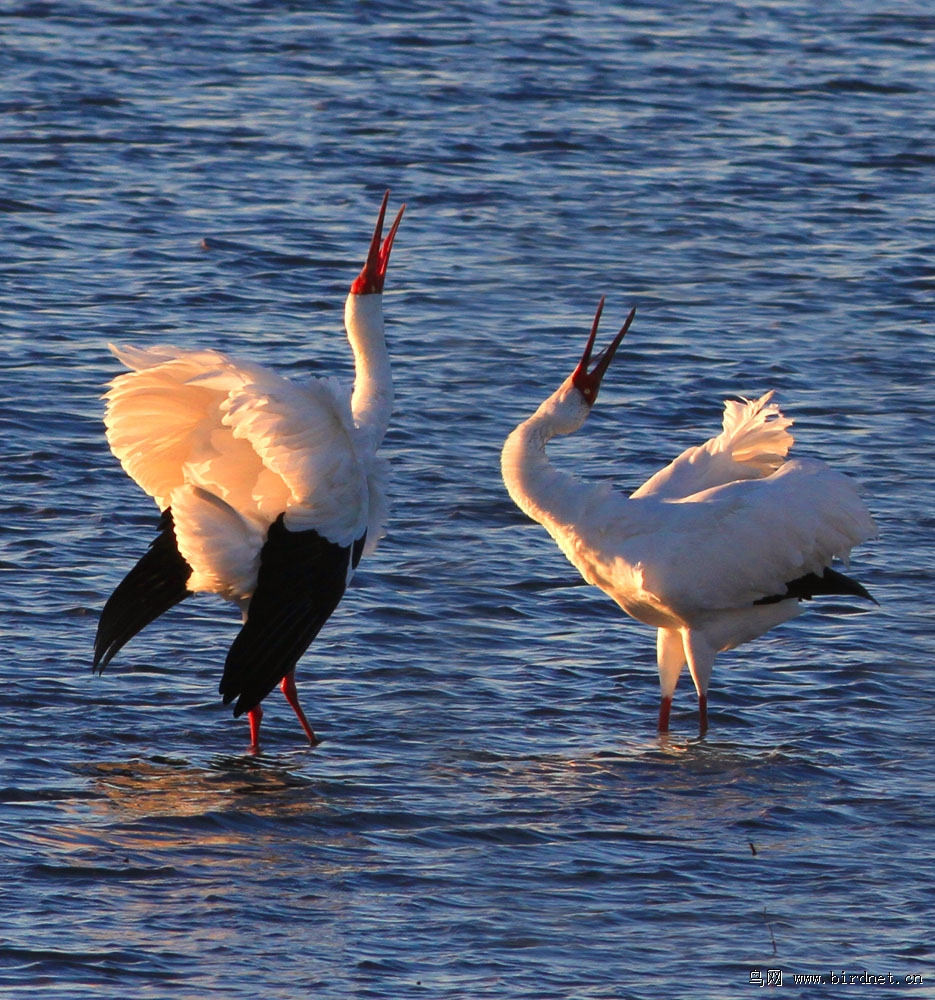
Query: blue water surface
point(491, 813)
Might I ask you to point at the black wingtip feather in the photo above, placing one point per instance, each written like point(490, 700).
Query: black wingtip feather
point(804, 588)
point(155, 584)
point(301, 580)
point(278, 659)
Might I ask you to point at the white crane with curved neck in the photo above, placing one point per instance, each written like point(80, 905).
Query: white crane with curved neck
point(713, 550)
point(270, 490)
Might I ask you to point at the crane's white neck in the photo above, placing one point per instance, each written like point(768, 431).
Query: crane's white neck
point(372, 398)
point(547, 495)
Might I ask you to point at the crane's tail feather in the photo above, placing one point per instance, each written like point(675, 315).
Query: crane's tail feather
point(804, 588)
point(155, 584)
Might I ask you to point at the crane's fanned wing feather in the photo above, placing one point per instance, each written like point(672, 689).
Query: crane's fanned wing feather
point(305, 435)
point(753, 443)
point(301, 580)
point(159, 420)
point(231, 446)
point(221, 545)
point(156, 583)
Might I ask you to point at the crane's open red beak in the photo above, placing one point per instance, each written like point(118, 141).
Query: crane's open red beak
point(589, 382)
point(373, 274)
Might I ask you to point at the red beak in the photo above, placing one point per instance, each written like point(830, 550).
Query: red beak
point(373, 274)
point(588, 383)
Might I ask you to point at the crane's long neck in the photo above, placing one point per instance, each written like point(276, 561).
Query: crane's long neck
point(554, 498)
point(372, 398)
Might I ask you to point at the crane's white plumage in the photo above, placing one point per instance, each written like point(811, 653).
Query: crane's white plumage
point(194, 425)
point(228, 450)
point(713, 550)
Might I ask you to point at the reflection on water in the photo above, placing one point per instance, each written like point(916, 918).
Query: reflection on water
point(174, 787)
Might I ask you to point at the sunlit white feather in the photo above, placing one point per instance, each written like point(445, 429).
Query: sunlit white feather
point(229, 446)
point(724, 525)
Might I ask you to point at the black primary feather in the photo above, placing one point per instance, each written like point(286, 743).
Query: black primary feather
point(155, 584)
point(804, 588)
point(301, 580)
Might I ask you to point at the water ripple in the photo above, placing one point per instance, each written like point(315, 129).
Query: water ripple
point(491, 813)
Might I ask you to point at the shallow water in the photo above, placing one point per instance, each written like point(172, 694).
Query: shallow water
point(491, 813)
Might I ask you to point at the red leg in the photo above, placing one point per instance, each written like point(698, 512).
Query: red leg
point(665, 707)
point(702, 714)
point(255, 717)
point(292, 696)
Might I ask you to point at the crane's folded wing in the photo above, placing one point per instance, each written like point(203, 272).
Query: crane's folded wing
point(738, 543)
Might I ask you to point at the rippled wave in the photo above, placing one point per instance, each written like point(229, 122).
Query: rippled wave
point(491, 813)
